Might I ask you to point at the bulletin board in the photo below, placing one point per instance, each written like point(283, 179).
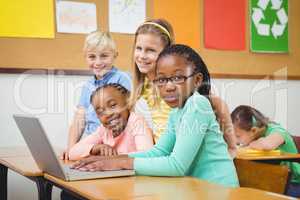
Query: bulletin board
point(64, 52)
point(233, 64)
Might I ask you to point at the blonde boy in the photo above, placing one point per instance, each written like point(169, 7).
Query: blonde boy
point(100, 53)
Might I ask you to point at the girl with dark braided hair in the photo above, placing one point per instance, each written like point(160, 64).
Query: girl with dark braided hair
point(121, 131)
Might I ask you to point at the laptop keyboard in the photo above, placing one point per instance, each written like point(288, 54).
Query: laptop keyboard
point(71, 171)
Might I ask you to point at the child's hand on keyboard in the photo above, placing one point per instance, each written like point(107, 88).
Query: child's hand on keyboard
point(103, 150)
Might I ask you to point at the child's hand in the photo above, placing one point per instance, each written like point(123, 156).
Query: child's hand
point(103, 150)
point(232, 152)
point(257, 144)
point(65, 155)
point(100, 163)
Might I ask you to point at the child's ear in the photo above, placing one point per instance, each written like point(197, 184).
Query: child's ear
point(198, 80)
point(116, 54)
point(256, 131)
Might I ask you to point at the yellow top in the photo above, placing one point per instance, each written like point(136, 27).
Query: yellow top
point(158, 108)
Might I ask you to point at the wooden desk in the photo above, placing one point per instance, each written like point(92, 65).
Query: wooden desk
point(14, 151)
point(250, 193)
point(282, 156)
point(144, 188)
point(20, 160)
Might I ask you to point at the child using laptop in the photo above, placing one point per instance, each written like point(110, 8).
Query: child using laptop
point(100, 53)
point(256, 131)
point(120, 132)
point(192, 144)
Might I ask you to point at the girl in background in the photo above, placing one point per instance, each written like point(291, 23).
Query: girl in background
point(256, 131)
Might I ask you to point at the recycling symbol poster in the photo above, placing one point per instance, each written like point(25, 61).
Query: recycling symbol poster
point(269, 26)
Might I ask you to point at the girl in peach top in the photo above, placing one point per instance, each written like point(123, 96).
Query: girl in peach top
point(121, 131)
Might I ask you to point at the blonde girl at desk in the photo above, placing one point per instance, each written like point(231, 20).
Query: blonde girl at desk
point(192, 144)
point(256, 131)
point(150, 39)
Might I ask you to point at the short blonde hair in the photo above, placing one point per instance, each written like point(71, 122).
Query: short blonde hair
point(99, 40)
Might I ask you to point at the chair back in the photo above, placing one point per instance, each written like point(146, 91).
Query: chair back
point(297, 142)
point(263, 176)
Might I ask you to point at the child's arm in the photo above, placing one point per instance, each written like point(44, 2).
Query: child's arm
point(75, 131)
point(270, 142)
point(142, 135)
point(225, 122)
point(84, 146)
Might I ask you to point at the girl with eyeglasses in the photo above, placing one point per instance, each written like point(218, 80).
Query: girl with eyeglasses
point(192, 144)
point(150, 39)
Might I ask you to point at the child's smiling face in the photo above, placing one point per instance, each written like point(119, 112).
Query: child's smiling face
point(100, 61)
point(112, 109)
point(185, 80)
point(147, 49)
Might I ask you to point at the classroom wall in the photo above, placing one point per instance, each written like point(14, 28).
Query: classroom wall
point(53, 97)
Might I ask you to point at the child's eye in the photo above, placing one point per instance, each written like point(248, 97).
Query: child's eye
point(138, 48)
point(91, 56)
point(113, 106)
point(162, 80)
point(104, 55)
point(177, 79)
point(152, 50)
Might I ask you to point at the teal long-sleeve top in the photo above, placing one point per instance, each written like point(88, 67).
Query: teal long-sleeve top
point(191, 146)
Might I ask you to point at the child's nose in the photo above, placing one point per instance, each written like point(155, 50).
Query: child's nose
point(170, 85)
point(98, 61)
point(143, 54)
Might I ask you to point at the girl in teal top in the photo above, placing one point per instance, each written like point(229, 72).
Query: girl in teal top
point(254, 130)
point(192, 144)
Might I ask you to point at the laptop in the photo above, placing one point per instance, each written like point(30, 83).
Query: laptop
point(46, 158)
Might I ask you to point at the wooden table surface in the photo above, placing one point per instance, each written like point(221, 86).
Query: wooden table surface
point(144, 187)
point(14, 151)
point(24, 165)
point(269, 156)
point(20, 160)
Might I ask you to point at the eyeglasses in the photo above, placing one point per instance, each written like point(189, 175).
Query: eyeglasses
point(173, 79)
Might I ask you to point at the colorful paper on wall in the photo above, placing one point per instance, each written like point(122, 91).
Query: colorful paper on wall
point(76, 17)
point(184, 17)
point(225, 24)
point(27, 18)
point(125, 16)
point(269, 26)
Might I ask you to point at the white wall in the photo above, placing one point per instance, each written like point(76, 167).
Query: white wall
point(53, 97)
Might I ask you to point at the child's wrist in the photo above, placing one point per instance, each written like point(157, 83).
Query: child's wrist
point(127, 163)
